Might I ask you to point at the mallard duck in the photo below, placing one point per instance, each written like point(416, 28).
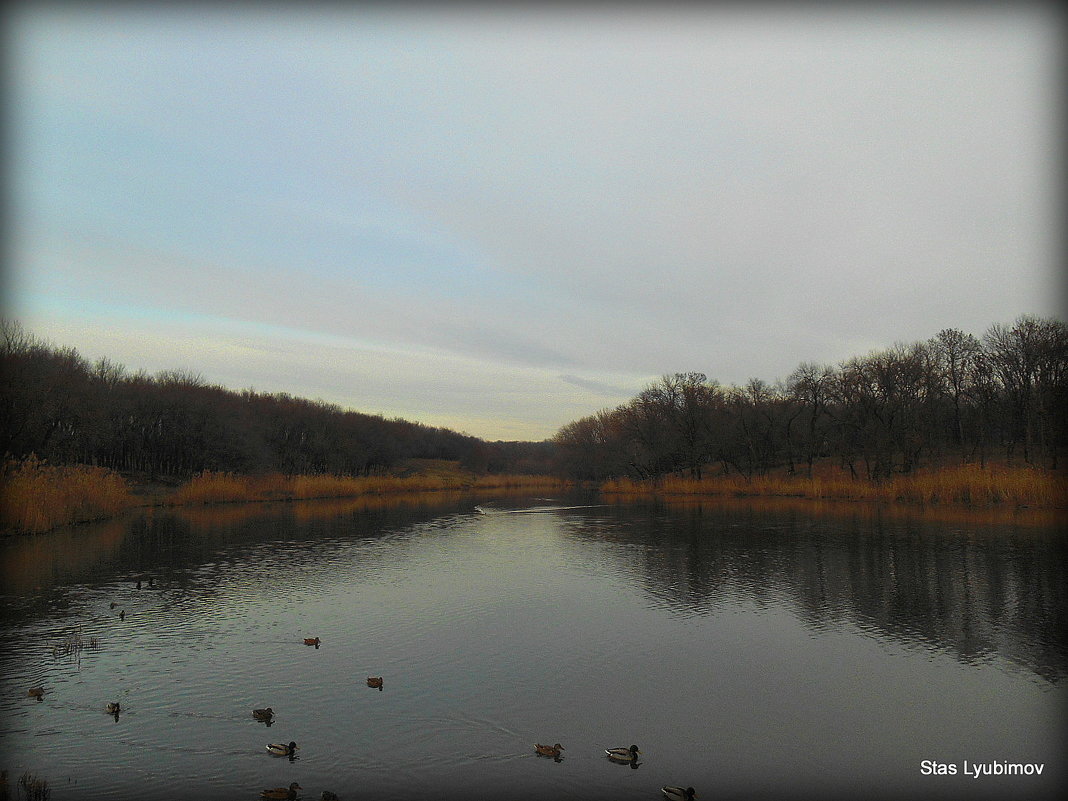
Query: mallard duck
point(623, 754)
point(114, 708)
point(329, 796)
point(312, 641)
point(548, 750)
point(282, 792)
point(36, 692)
point(374, 681)
point(679, 793)
point(281, 749)
point(263, 714)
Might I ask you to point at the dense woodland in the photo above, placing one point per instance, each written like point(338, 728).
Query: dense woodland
point(954, 397)
point(58, 407)
point(1003, 396)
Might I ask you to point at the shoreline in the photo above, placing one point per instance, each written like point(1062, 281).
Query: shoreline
point(967, 486)
point(37, 498)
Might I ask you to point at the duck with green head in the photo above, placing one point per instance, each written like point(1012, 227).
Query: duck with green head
point(282, 749)
point(623, 754)
point(679, 793)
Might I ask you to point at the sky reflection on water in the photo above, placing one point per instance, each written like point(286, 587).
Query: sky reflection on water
point(748, 652)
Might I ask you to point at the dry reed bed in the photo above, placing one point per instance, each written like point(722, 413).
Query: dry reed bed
point(228, 487)
point(37, 497)
point(966, 484)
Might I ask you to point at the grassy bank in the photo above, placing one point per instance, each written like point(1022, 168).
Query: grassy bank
point(963, 484)
point(36, 497)
point(230, 488)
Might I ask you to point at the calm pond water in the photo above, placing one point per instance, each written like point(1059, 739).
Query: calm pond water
point(751, 651)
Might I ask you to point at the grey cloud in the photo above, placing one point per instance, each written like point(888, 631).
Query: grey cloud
point(598, 387)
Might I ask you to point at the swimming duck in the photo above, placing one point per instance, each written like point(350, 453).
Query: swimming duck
point(329, 796)
point(282, 792)
point(114, 708)
point(263, 714)
point(549, 750)
point(312, 641)
point(678, 793)
point(280, 749)
point(623, 754)
point(36, 692)
point(374, 681)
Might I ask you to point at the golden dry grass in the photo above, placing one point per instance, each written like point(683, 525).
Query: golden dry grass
point(228, 487)
point(36, 497)
point(970, 485)
point(509, 482)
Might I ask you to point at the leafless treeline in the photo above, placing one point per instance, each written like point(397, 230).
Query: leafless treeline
point(61, 408)
point(1003, 395)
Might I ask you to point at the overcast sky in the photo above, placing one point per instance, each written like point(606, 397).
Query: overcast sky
point(502, 221)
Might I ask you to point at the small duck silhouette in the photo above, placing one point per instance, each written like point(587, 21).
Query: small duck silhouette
point(263, 714)
point(679, 793)
point(374, 681)
point(549, 750)
point(36, 692)
point(312, 641)
point(282, 792)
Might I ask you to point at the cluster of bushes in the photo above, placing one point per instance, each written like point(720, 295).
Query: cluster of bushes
point(36, 497)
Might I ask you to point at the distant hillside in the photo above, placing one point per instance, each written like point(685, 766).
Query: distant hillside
point(61, 408)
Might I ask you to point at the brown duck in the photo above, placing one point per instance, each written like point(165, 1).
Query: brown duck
point(282, 792)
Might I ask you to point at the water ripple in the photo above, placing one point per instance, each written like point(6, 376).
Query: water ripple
point(592, 625)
